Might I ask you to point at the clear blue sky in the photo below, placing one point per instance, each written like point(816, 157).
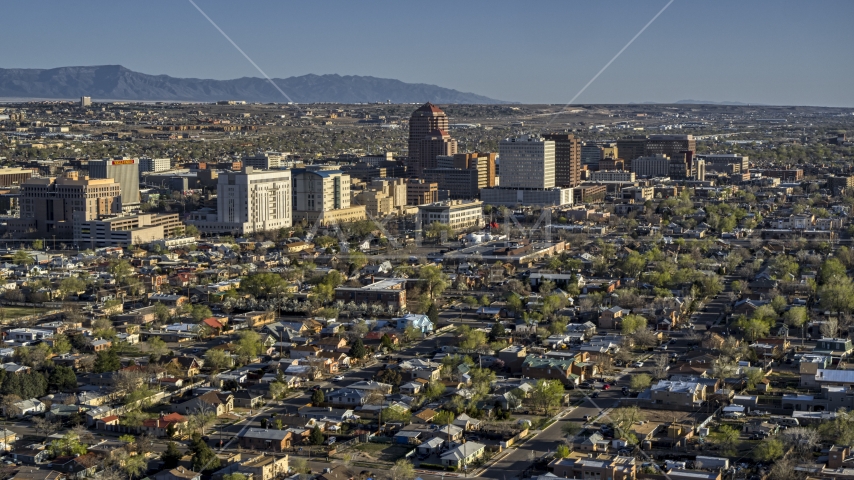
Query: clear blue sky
point(772, 52)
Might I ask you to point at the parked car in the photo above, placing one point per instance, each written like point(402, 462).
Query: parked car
point(331, 440)
point(637, 364)
point(338, 378)
point(606, 387)
point(585, 385)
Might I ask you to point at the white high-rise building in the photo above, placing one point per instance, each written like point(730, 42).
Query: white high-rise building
point(253, 201)
point(527, 162)
point(154, 164)
point(324, 195)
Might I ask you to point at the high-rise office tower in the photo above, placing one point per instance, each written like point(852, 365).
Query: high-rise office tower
point(670, 145)
point(154, 164)
point(427, 119)
point(527, 162)
point(125, 171)
point(567, 159)
point(632, 147)
point(85, 102)
point(434, 144)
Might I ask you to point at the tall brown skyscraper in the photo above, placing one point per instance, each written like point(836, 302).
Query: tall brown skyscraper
point(426, 121)
point(435, 143)
point(631, 147)
point(567, 159)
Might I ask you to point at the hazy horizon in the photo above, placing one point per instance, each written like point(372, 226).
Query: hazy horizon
point(783, 53)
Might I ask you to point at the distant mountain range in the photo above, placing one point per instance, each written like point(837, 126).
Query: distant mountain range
point(709, 102)
point(115, 82)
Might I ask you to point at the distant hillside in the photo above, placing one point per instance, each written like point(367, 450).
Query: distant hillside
point(115, 82)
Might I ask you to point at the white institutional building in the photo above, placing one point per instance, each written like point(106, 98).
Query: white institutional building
point(249, 201)
point(527, 162)
point(527, 174)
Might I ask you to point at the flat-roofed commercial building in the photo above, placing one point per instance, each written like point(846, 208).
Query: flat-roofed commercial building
point(389, 292)
point(457, 214)
point(612, 176)
point(510, 197)
point(124, 231)
point(14, 176)
point(726, 162)
point(670, 145)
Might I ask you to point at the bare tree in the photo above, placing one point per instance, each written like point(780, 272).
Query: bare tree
point(659, 370)
point(829, 328)
point(45, 426)
point(83, 434)
point(203, 417)
point(800, 439)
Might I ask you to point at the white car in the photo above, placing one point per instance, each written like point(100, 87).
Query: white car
point(337, 378)
point(638, 364)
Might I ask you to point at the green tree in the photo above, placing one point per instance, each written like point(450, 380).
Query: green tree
point(171, 456)
point(727, 439)
point(562, 451)
point(38, 244)
point(435, 280)
point(640, 381)
point(386, 342)
point(61, 344)
point(156, 346)
point(317, 398)
point(217, 359)
point(837, 294)
point(107, 361)
point(358, 350)
point(22, 258)
point(632, 323)
point(264, 285)
point(433, 313)
point(249, 345)
point(754, 328)
point(444, 417)
point(69, 444)
point(201, 312)
point(434, 390)
point(547, 394)
point(135, 465)
point(62, 379)
point(402, 470)
point(830, 268)
point(162, 312)
point(316, 436)
point(203, 457)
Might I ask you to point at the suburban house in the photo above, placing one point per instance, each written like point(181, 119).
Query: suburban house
point(217, 402)
point(462, 455)
point(264, 439)
point(159, 427)
point(601, 467)
point(677, 392)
